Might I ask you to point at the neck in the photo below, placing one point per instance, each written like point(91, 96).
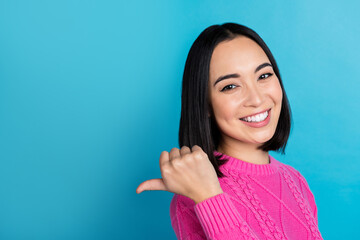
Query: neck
point(244, 151)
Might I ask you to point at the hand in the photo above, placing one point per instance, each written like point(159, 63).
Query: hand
point(185, 172)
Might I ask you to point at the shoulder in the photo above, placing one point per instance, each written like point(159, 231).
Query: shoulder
point(300, 179)
point(291, 170)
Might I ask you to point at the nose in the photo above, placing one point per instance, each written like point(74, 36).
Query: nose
point(254, 96)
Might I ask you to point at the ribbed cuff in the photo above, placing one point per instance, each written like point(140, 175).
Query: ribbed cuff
point(217, 214)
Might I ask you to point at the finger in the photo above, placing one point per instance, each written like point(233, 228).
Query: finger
point(196, 148)
point(184, 150)
point(164, 158)
point(174, 153)
point(152, 184)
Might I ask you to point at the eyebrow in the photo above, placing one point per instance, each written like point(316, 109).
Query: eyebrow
point(235, 75)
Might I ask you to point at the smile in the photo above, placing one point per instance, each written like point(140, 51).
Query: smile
point(256, 118)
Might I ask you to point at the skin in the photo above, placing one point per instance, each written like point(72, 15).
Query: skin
point(189, 172)
point(245, 95)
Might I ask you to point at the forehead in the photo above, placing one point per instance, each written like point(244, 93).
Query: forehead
point(238, 55)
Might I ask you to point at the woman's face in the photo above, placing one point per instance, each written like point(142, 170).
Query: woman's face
point(242, 83)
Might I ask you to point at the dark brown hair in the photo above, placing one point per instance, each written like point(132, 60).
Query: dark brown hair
point(196, 128)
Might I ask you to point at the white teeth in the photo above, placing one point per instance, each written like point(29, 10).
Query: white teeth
point(257, 118)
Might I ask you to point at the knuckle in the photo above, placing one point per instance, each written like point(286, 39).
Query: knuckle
point(185, 147)
point(162, 153)
point(163, 164)
point(163, 158)
point(177, 163)
point(198, 155)
point(197, 148)
point(187, 158)
point(166, 168)
point(185, 150)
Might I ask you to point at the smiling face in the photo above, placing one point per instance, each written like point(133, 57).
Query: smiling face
point(242, 83)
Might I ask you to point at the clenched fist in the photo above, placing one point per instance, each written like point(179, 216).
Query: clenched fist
point(185, 172)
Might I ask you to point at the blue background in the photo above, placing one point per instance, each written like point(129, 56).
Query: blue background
point(90, 96)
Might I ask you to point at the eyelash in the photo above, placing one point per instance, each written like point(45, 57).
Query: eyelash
point(226, 89)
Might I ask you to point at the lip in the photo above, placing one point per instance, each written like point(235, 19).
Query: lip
point(256, 113)
point(258, 124)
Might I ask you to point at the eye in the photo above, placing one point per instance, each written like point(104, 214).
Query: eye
point(266, 74)
point(228, 87)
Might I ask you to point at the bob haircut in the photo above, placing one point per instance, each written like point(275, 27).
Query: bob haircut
point(196, 128)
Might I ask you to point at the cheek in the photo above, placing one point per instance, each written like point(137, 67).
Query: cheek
point(276, 92)
point(279, 94)
point(224, 108)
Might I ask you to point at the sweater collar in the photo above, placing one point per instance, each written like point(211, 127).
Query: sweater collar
point(241, 166)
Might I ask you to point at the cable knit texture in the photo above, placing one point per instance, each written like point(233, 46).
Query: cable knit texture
point(259, 201)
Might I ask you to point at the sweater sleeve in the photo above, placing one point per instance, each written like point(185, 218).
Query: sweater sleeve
point(217, 218)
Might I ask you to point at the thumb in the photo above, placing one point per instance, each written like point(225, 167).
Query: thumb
point(152, 184)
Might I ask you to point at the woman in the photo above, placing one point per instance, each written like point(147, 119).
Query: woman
point(234, 110)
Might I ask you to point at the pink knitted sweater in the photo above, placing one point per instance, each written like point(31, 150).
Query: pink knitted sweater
point(259, 201)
